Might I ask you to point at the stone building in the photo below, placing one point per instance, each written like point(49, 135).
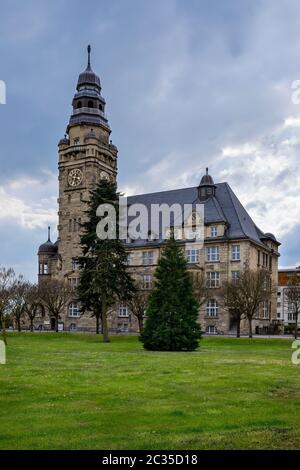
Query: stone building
point(285, 311)
point(231, 238)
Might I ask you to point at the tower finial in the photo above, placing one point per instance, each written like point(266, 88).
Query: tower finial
point(48, 234)
point(89, 56)
point(207, 171)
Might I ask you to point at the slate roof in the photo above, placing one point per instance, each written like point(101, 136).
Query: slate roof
point(224, 207)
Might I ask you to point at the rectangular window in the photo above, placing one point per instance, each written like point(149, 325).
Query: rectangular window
point(213, 232)
point(147, 281)
point(73, 283)
point(291, 316)
point(123, 311)
point(265, 310)
point(213, 254)
point(75, 265)
point(43, 268)
point(236, 253)
point(213, 280)
point(148, 258)
point(74, 310)
point(212, 308)
point(211, 330)
point(235, 276)
point(192, 256)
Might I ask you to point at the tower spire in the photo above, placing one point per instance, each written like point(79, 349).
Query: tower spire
point(49, 234)
point(89, 57)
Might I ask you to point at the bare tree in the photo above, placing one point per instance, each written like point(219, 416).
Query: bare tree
point(255, 288)
point(137, 305)
point(20, 290)
point(33, 304)
point(201, 290)
point(54, 295)
point(7, 280)
point(292, 295)
point(234, 303)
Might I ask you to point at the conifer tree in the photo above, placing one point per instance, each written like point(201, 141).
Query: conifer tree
point(104, 279)
point(172, 311)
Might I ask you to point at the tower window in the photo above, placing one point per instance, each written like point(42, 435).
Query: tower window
point(79, 105)
point(43, 268)
point(90, 104)
point(100, 107)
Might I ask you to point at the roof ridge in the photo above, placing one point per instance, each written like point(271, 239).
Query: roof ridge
point(169, 190)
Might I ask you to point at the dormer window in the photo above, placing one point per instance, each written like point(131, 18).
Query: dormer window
point(214, 231)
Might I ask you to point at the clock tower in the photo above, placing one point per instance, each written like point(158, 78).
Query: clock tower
point(86, 155)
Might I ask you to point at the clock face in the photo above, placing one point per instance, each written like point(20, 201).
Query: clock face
point(75, 177)
point(104, 176)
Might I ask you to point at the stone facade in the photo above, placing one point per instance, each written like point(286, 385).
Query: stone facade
point(231, 240)
point(285, 312)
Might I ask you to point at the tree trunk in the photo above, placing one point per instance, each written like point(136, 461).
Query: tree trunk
point(97, 325)
point(104, 323)
point(31, 325)
point(56, 324)
point(296, 327)
point(19, 324)
point(3, 330)
point(141, 324)
point(238, 328)
point(250, 327)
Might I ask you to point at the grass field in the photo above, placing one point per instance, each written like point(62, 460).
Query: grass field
point(70, 391)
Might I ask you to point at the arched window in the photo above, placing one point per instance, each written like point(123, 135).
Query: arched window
point(74, 310)
point(79, 105)
point(90, 104)
point(100, 107)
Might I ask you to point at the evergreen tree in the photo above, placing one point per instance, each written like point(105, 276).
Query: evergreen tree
point(172, 312)
point(104, 279)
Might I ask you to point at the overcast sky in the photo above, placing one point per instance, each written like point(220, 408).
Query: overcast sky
point(188, 84)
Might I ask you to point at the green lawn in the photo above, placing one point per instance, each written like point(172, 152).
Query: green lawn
point(70, 391)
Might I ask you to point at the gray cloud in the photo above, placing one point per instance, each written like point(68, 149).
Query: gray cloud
point(188, 84)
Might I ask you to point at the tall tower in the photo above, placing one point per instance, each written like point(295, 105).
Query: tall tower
point(86, 155)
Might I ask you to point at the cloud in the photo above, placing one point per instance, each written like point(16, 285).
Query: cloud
point(292, 121)
point(189, 85)
point(28, 202)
